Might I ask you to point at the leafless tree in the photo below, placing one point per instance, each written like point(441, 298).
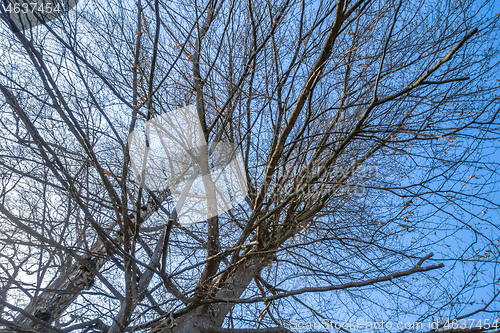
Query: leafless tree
point(368, 132)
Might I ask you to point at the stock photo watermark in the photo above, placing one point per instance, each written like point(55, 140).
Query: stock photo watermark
point(361, 324)
point(170, 151)
point(341, 180)
point(26, 14)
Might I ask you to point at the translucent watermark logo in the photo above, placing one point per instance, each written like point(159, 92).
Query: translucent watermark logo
point(26, 14)
point(170, 151)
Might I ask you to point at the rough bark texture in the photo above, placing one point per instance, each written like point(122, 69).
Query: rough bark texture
point(206, 318)
point(50, 304)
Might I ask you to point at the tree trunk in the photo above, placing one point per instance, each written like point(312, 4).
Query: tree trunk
point(207, 318)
